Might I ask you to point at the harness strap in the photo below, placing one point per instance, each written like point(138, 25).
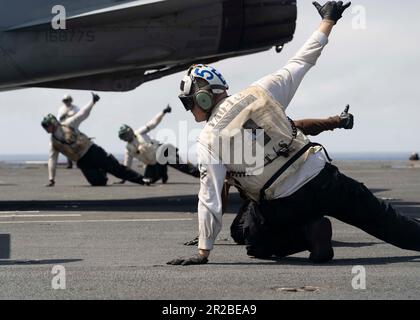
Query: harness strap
point(288, 164)
point(283, 169)
point(64, 141)
point(315, 144)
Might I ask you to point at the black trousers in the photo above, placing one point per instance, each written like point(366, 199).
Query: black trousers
point(186, 168)
point(160, 171)
point(96, 163)
point(263, 238)
point(155, 172)
point(69, 163)
point(333, 194)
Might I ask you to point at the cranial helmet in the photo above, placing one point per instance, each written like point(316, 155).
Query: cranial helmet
point(67, 98)
point(125, 132)
point(48, 120)
point(203, 96)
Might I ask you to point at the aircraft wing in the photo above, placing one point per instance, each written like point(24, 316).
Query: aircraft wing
point(113, 14)
point(116, 45)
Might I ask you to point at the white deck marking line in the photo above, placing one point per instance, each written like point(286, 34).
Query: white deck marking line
point(18, 211)
point(81, 221)
point(39, 215)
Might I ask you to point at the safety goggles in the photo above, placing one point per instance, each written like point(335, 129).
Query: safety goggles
point(187, 101)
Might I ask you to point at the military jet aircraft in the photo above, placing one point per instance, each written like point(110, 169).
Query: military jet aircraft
point(116, 45)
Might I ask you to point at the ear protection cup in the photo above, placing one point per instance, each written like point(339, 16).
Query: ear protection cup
point(204, 99)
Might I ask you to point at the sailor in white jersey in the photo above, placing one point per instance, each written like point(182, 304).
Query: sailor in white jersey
point(297, 185)
point(142, 147)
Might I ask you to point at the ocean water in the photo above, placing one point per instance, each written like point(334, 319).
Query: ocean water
point(372, 156)
point(35, 158)
point(360, 156)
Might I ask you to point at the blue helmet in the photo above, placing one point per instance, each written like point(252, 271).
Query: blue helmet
point(204, 96)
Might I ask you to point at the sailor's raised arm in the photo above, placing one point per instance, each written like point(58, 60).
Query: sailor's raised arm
point(154, 122)
point(83, 113)
point(282, 84)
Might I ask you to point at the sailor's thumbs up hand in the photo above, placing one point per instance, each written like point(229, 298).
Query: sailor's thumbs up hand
point(347, 119)
point(168, 109)
point(331, 10)
point(95, 97)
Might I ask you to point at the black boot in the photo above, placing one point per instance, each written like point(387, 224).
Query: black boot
point(164, 173)
point(319, 235)
point(69, 163)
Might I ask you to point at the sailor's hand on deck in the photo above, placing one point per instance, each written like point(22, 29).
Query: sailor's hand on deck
point(197, 259)
point(192, 242)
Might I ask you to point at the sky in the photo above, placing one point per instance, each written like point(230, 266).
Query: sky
point(374, 69)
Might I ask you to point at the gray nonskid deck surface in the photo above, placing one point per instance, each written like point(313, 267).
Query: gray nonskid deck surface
point(114, 243)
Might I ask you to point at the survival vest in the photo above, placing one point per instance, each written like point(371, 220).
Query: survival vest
point(285, 148)
point(74, 145)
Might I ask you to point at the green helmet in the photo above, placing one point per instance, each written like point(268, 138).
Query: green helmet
point(125, 132)
point(48, 120)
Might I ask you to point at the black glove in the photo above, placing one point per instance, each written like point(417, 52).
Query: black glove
point(168, 109)
point(192, 242)
point(51, 183)
point(95, 97)
point(347, 119)
point(332, 10)
point(197, 259)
